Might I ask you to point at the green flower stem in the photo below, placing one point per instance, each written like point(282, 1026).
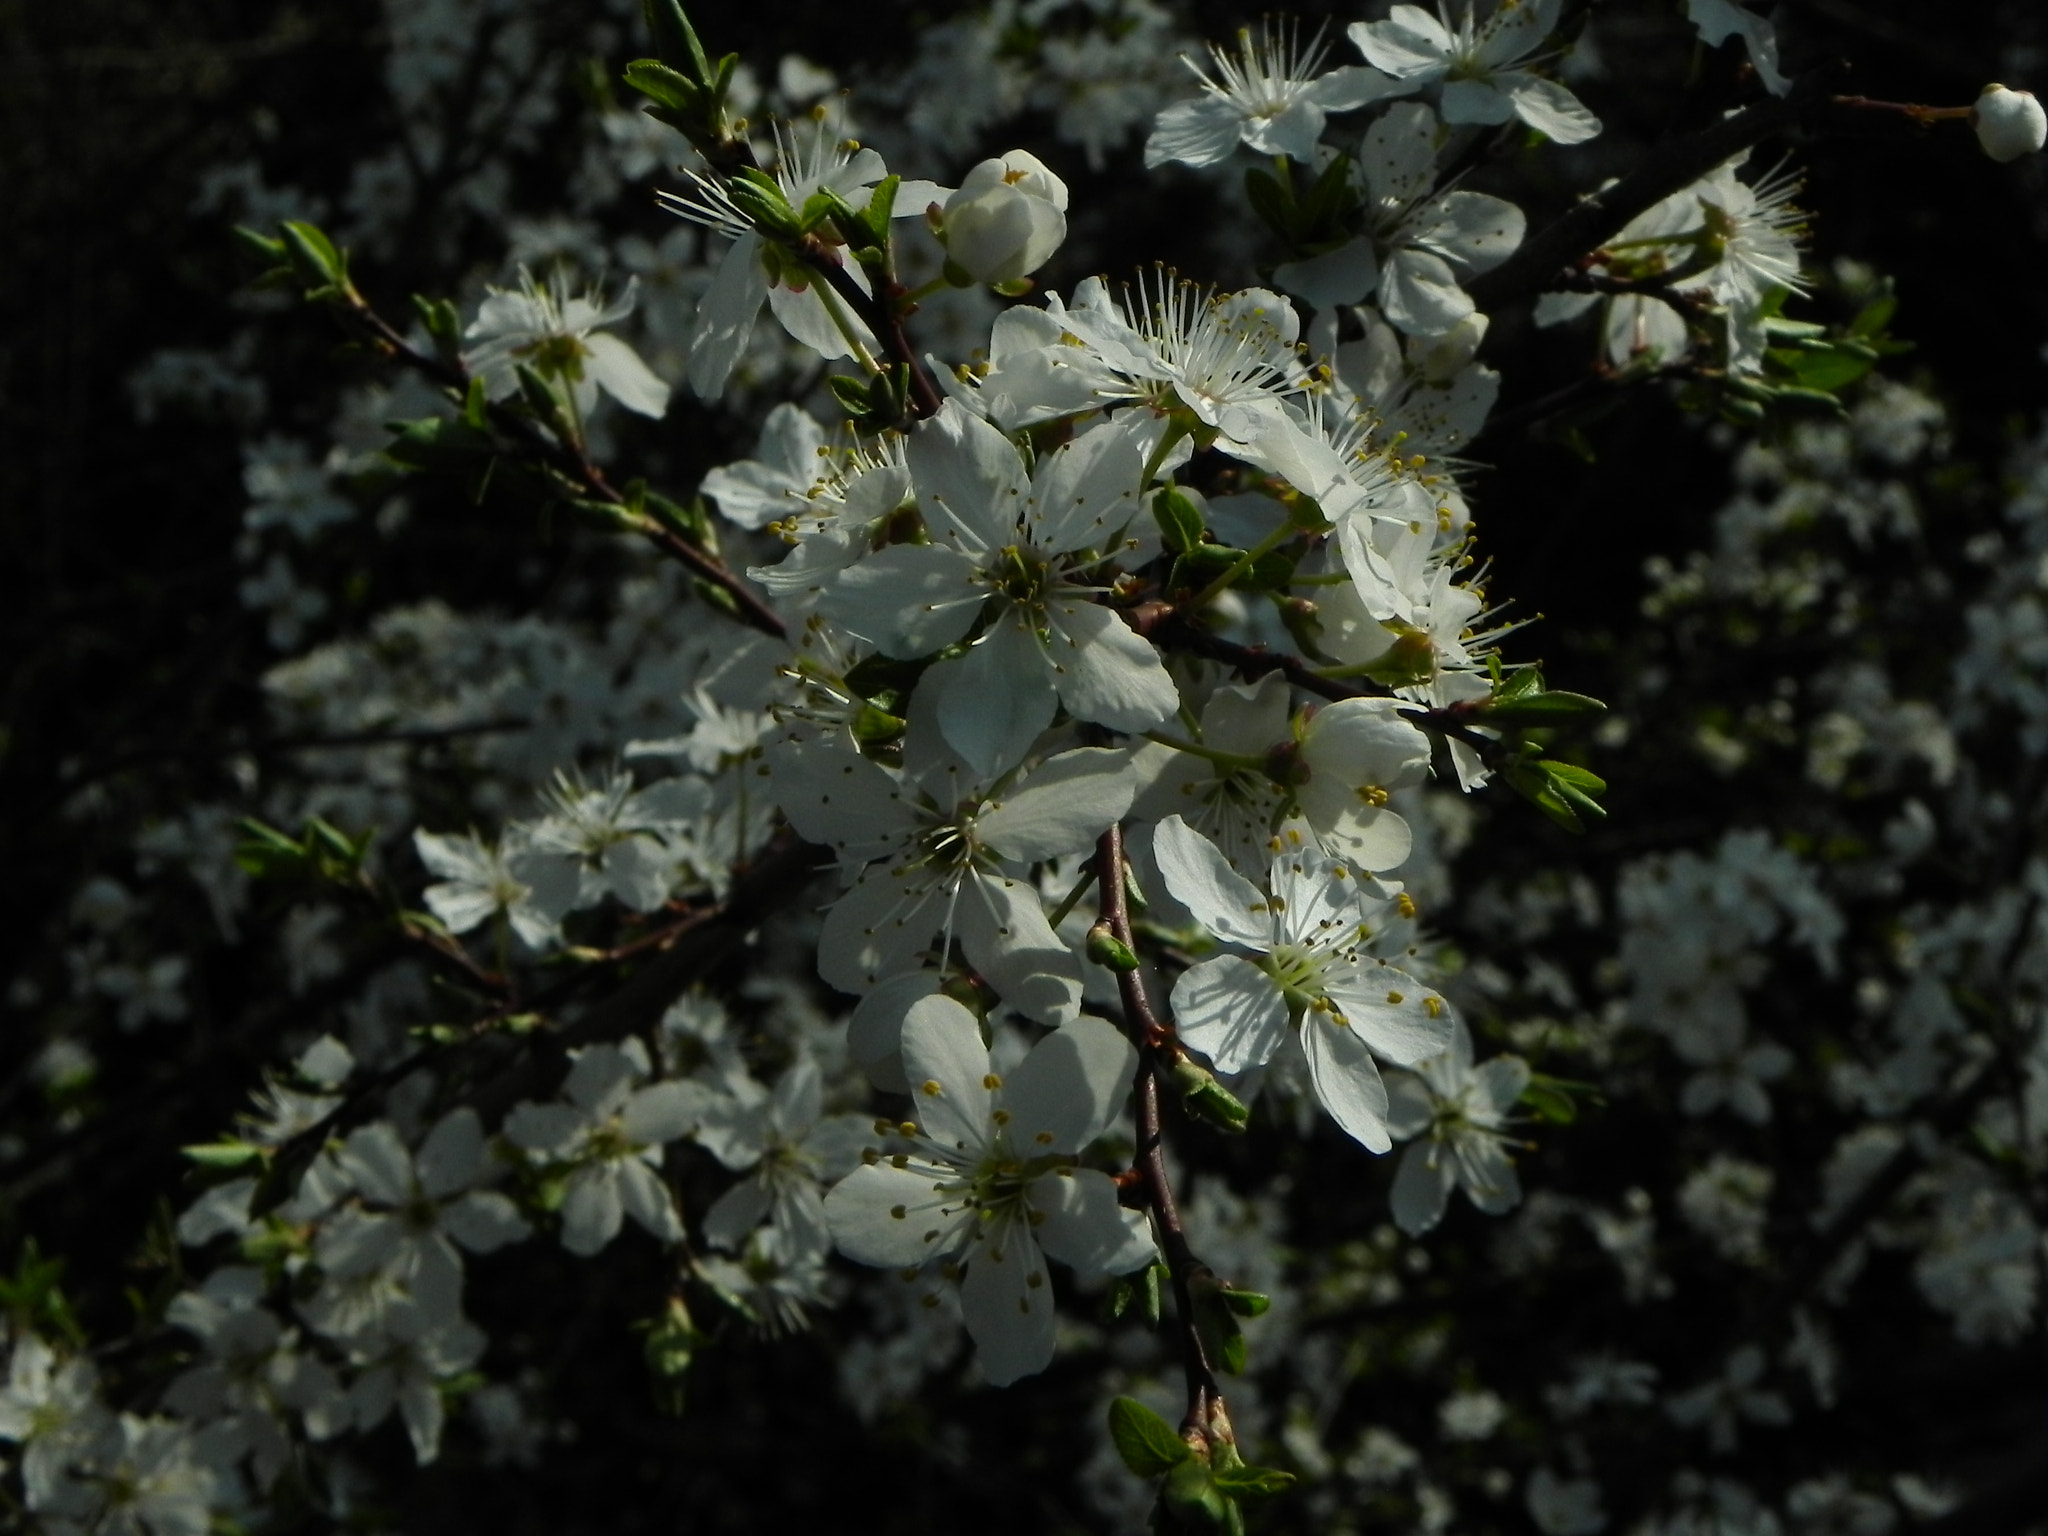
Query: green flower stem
point(1213, 754)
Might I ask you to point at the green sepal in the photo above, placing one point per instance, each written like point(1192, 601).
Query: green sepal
point(758, 196)
point(876, 727)
point(1145, 1441)
point(540, 398)
point(852, 394)
point(1180, 524)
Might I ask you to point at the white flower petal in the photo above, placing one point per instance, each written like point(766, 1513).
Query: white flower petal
point(947, 1065)
point(907, 600)
point(1346, 1080)
point(1105, 671)
point(1422, 1188)
point(1230, 1011)
point(1006, 1301)
point(1547, 107)
point(617, 368)
point(725, 317)
point(1222, 900)
point(893, 1217)
point(1085, 1227)
point(452, 1156)
point(1070, 1088)
point(1200, 132)
point(1061, 806)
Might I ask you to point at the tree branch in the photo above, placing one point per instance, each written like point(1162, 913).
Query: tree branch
point(1154, 1041)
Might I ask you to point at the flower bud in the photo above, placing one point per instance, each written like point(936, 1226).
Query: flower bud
point(1005, 222)
point(2008, 123)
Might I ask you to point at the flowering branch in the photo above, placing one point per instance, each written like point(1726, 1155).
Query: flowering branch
point(565, 457)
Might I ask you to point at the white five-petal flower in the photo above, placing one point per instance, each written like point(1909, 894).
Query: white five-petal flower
point(988, 1184)
point(1302, 973)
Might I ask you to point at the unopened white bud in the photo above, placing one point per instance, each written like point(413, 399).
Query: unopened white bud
point(1006, 220)
point(2009, 123)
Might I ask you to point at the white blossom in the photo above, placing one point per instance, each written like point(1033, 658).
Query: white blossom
point(989, 1183)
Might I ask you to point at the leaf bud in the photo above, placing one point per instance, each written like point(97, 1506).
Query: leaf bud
point(1208, 1100)
point(1109, 951)
point(2009, 123)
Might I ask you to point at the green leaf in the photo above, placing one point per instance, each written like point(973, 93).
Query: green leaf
point(318, 261)
point(676, 40)
point(223, 1154)
point(1872, 319)
point(1252, 1482)
point(1833, 369)
point(1247, 1303)
point(1271, 201)
point(659, 83)
point(1539, 705)
point(1180, 524)
point(1145, 1441)
point(1549, 1102)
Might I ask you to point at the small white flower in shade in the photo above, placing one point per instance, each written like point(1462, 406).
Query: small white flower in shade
point(2010, 124)
point(404, 1366)
point(412, 1212)
point(50, 1408)
point(1452, 1115)
point(1476, 68)
point(559, 337)
point(1718, 1406)
point(1023, 551)
point(1719, 20)
point(788, 462)
point(145, 1480)
point(1564, 1506)
point(609, 1137)
point(1266, 95)
point(774, 1282)
point(1005, 221)
point(632, 845)
point(929, 851)
point(789, 1144)
point(1418, 243)
point(251, 1375)
point(1309, 978)
point(478, 881)
point(988, 1184)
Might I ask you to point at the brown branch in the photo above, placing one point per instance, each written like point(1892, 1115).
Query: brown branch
point(569, 462)
point(1156, 1045)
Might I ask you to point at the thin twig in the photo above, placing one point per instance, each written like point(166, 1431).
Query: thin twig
point(1154, 1041)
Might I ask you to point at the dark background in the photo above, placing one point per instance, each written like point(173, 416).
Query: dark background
point(127, 660)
